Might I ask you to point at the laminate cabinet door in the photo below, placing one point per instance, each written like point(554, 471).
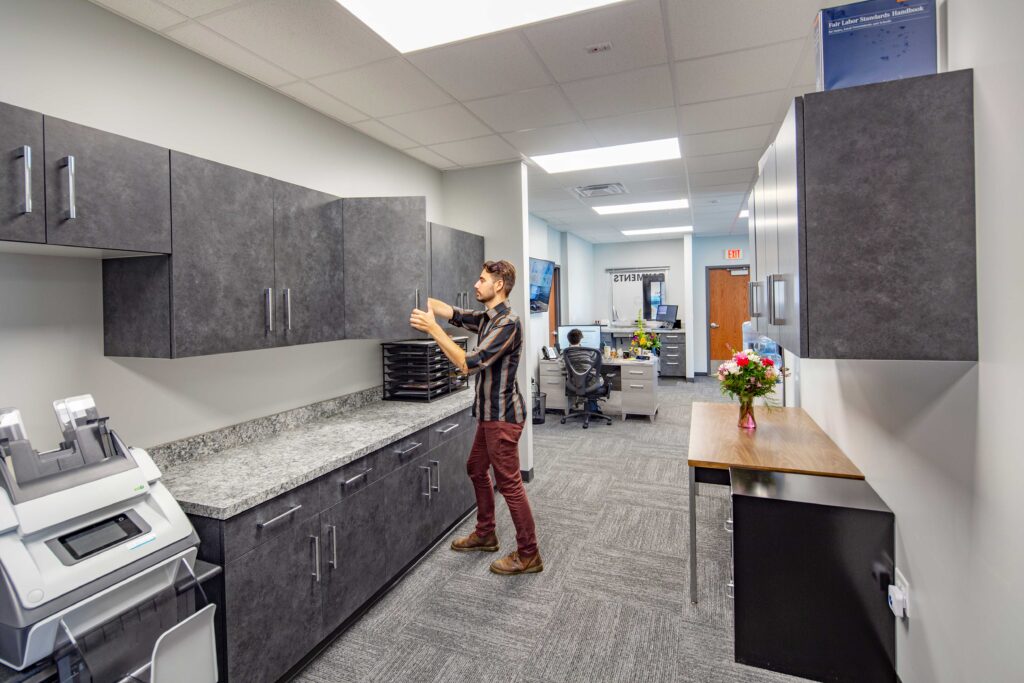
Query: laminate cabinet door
point(457, 494)
point(789, 301)
point(22, 210)
point(223, 264)
point(308, 262)
point(354, 552)
point(104, 190)
point(385, 265)
point(456, 258)
point(273, 604)
point(768, 242)
point(410, 521)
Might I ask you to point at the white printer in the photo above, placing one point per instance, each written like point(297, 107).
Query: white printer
point(92, 543)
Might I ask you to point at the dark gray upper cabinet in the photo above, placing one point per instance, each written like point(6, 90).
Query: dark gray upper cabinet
point(865, 229)
point(456, 258)
point(308, 261)
point(222, 276)
point(22, 202)
point(385, 265)
point(104, 190)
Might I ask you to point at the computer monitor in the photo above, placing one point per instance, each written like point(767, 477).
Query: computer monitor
point(667, 313)
point(591, 336)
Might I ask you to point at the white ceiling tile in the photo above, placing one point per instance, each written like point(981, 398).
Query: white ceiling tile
point(699, 27)
point(724, 162)
point(197, 8)
point(624, 93)
point(431, 157)
point(646, 125)
point(739, 112)
point(477, 151)
point(441, 124)
point(722, 177)
point(728, 189)
point(634, 30)
point(568, 137)
point(737, 73)
point(551, 204)
point(317, 99)
point(483, 67)
point(307, 37)
point(675, 185)
point(378, 131)
point(146, 12)
point(391, 86)
point(754, 137)
point(536, 108)
point(216, 47)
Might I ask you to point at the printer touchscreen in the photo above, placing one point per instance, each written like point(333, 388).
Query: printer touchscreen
point(99, 536)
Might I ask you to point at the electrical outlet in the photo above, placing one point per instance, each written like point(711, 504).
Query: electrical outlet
point(904, 585)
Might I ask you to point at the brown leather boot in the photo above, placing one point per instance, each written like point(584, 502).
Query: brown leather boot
point(488, 544)
point(514, 564)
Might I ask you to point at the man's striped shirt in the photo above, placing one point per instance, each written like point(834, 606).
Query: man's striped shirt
point(495, 361)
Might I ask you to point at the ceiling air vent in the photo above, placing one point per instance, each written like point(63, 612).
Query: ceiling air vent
point(601, 190)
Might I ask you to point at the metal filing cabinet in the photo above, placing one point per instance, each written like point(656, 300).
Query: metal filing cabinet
point(552, 383)
point(673, 354)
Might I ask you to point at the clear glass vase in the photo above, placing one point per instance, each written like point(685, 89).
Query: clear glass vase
point(747, 420)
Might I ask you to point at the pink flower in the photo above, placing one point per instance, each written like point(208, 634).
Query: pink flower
point(742, 360)
point(767, 362)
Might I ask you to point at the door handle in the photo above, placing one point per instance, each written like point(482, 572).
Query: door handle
point(268, 309)
point(316, 558)
point(287, 309)
point(68, 162)
point(283, 515)
point(408, 450)
point(26, 156)
point(429, 484)
point(714, 326)
point(333, 562)
point(770, 283)
point(437, 468)
point(364, 473)
point(447, 428)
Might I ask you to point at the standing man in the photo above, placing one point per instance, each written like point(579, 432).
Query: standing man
point(498, 406)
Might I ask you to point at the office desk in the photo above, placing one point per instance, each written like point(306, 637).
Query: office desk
point(786, 440)
point(634, 386)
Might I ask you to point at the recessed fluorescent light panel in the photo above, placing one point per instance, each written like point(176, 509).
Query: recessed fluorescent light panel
point(657, 231)
point(643, 206)
point(616, 155)
point(744, 213)
point(411, 25)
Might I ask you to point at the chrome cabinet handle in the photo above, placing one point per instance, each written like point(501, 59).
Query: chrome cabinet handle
point(429, 484)
point(770, 282)
point(316, 558)
point(730, 590)
point(408, 450)
point(437, 468)
point(751, 296)
point(287, 309)
point(333, 562)
point(728, 525)
point(26, 155)
point(671, 363)
point(268, 309)
point(447, 428)
point(283, 515)
point(417, 297)
point(364, 473)
point(68, 162)
point(636, 386)
point(636, 372)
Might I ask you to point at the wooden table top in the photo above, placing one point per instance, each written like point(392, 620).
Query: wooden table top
point(786, 440)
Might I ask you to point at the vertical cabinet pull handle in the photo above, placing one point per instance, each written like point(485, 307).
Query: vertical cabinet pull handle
point(418, 297)
point(316, 557)
point(751, 294)
point(430, 486)
point(287, 309)
point(437, 468)
point(333, 562)
point(771, 299)
point(68, 162)
point(26, 164)
point(268, 308)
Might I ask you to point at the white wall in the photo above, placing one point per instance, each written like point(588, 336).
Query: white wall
point(577, 280)
point(74, 60)
point(639, 255)
point(941, 441)
point(494, 198)
point(708, 251)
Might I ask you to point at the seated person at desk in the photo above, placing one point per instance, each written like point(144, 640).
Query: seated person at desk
point(575, 337)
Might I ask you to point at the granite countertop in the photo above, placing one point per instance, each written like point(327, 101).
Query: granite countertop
point(224, 483)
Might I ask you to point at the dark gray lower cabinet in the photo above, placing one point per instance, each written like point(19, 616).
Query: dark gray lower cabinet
point(272, 601)
point(104, 190)
point(332, 545)
point(22, 202)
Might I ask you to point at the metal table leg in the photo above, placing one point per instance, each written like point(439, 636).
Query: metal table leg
point(693, 535)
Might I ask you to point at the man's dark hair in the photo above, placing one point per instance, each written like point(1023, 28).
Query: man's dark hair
point(575, 336)
point(504, 271)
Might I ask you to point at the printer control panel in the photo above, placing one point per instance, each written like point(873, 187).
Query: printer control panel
point(77, 545)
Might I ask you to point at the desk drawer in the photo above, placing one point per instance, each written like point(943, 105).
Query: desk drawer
point(550, 384)
point(636, 372)
point(449, 428)
point(671, 348)
point(550, 369)
point(672, 339)
point(637, 386)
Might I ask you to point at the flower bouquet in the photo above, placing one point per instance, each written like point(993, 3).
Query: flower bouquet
point(746, 377)
point(643, 339)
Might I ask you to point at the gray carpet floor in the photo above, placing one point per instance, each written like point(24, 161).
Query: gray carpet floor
point(612, 603)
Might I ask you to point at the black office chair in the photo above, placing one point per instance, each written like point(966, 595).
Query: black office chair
point(583, 381)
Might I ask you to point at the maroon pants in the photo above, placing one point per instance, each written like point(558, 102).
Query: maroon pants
point(497, 445)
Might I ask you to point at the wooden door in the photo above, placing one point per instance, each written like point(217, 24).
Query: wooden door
point(553, 308)
point(727, 310)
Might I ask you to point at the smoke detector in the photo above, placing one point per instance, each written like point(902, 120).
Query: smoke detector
point(600, 190)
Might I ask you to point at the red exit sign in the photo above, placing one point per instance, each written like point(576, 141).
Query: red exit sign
point(733, 254)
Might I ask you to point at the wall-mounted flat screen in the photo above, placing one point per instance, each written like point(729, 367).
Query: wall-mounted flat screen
point(541, 274)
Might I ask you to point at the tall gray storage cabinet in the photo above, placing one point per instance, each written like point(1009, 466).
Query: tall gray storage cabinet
point(863, 224)
point(386, 265)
